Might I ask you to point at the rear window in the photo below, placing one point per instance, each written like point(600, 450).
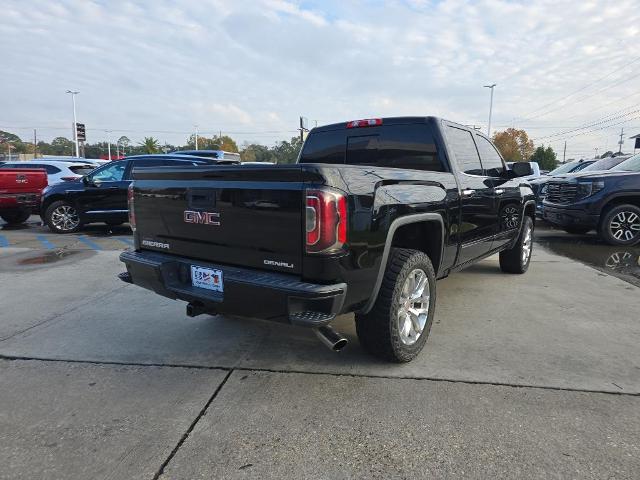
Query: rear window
point(81, 169)
point(409, 146)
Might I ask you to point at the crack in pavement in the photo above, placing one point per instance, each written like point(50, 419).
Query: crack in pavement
point(186, 434)
point(333, 374)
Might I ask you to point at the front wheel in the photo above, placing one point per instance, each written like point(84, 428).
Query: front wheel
point(62, 217)
point(621, 225)
point(398, 325)
point(517, 258)
point(17, 217)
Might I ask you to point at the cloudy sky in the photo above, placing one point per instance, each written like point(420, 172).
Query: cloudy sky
point(565, 70)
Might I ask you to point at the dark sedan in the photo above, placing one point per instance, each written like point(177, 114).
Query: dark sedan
point(101, 196)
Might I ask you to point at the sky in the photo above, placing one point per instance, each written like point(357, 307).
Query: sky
point(565, 70)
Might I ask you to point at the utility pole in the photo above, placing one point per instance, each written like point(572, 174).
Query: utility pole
point(492, 86)
point(196, 136)
point(596, 149)
point(621, 140)
point(75, 121)
point(109, 144)
point(35, 144)
point(564, 152)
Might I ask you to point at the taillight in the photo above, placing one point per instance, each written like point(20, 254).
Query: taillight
point(132, 213)
point(367, 122)
point(326, 220)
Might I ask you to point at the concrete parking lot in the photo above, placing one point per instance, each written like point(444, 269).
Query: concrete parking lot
point(533, 376)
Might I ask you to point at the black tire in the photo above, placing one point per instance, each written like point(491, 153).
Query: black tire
point(379, 330)
point(577, 230)
point(627, 217)
point(514, 259)
point(53, 224)
point(17, 217)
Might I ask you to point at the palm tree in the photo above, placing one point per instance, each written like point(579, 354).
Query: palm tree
point(150, 145)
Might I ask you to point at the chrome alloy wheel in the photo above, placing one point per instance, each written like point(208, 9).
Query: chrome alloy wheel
point(414, 306)
point(527, 244)
point(65, 218)
point(625, 226)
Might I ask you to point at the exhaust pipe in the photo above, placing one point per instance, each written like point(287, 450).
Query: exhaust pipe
point(331, 338)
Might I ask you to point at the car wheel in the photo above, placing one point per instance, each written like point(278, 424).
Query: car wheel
point(577, 230)
point(62, 217)
point(621, 225)
point(15, 218)
point(517, 258)
point(397, 327)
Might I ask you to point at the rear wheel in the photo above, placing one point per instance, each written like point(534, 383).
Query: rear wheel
point(15, 218)
point(62, 217)
point(517, 258)
point(577, 230)
point(397, 327)
point(621, 225)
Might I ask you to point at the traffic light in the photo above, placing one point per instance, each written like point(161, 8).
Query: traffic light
point(80, 132)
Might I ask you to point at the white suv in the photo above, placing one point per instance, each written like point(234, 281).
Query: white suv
point(57, 171)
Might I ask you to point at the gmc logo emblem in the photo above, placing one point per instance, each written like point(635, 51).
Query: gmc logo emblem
point(205, 218)
point(21, 178)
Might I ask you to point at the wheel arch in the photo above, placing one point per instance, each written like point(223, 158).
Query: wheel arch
point(409, 232)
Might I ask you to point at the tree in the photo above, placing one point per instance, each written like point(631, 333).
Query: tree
point(287, 152)
point(545, 157)
point(256, 153)
point(217, 142)
point(61, 146)
point(514, 145)
point(150, 145)
point(124, 142)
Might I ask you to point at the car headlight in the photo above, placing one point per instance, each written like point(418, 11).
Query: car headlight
point(586, 189)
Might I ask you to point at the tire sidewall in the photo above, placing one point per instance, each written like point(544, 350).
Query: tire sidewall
point(402, 351)
point(527, 222)
point(49, 212)
point(605, 231)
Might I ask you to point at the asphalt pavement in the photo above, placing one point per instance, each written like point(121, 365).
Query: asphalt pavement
point(533, 376)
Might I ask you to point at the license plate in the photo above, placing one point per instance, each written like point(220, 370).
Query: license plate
point(209, 278)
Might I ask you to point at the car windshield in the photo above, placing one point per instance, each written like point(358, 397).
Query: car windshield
point(604, 164)
point(566, 168)
point(630, 165)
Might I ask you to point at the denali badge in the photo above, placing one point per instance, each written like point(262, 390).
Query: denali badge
point(206, 218)
point(278, 264)
point(151, 243)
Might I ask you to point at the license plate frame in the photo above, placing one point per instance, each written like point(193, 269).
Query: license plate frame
point(207, 278)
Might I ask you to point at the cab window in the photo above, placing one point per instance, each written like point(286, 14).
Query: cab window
point(490, 158)
point(464, 149)
point(112, 172)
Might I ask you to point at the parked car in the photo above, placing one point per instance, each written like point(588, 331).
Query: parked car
point(20, 191)
point(101, 195)
point(608, 201)
point(57, 170)
point(538, 184)
point(371, 215)
point(224, 157)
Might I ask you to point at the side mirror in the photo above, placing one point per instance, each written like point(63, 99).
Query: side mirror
point(86, 180)
point(521, 169)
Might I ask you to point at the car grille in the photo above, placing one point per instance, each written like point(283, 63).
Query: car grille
point(561, 193)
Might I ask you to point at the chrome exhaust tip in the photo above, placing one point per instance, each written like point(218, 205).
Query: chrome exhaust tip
point(331, 338)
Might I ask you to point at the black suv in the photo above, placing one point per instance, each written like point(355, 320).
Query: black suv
point(608, 201)
point(101, 195)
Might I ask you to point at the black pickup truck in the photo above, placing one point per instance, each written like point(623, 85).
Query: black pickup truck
point(371, 215)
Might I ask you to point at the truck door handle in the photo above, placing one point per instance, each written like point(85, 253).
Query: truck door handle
point(499, 191)
point(468, 192)
point(113, 188)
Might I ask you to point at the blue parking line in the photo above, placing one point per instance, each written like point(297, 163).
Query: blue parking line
point(3, 241)
point(125, 240)
point(46, 243)
point(89, 243)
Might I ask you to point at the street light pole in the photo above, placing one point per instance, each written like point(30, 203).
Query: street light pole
point(196, 136)
point(109, 143)
point(75, 121)
point(490, 108)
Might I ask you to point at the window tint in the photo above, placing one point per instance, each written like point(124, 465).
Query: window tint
point(112, 172)
point(491, 161)
point(81, 169)
point(464, 149)
point(396, 146)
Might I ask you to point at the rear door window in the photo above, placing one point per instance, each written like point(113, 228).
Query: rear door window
point(490, 158)
point(464, 149)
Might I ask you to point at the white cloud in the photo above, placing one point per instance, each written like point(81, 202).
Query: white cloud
point(255, 66)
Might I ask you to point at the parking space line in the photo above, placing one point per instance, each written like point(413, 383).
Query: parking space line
point(3, 241)
point(125, 240)
point(46, 243)
point(89, 243)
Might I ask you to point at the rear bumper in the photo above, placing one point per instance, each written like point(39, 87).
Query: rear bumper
point(247, 292)
point(567, 217)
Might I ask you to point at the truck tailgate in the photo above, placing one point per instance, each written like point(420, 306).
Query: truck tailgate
point(236, 215)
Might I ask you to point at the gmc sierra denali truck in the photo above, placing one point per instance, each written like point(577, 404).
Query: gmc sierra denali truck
point(20, 191)
point(373, 212)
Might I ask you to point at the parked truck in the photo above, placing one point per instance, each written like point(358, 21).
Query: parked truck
point(371, 215)
point(20, 192)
